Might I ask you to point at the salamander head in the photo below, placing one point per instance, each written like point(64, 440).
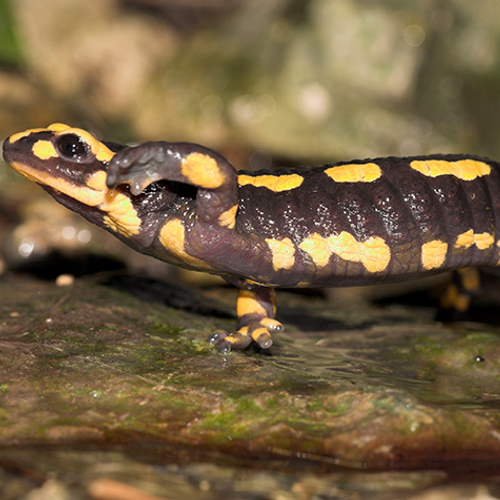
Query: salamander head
point(68, 160)
point(71, 164)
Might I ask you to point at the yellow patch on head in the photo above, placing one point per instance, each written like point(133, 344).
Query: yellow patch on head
point(433, 254)
point(99, 149)
point(469, 238)
point(276, 183)
point(202, 171)
point(283, 253)
point(367, 172)
point(58, 127)
point(228, 218)
point(44, 150)
point(173, 238)
point(55, 127)
point(466, 169)
point(15, 137)
point(97, 181)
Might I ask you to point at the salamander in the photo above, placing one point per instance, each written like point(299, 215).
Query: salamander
point(344, 224)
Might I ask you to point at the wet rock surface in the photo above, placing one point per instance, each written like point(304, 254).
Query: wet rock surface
point(98, 381)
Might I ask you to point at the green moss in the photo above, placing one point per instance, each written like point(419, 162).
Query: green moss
point(341, 408)
point(249, 406)
point(273, 402)
point(164, 329)
point(219, 421)
point(314, 405)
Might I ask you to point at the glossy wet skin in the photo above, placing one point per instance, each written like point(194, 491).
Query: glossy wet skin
point(337, 225)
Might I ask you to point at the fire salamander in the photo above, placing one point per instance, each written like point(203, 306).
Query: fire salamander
point(354, 223)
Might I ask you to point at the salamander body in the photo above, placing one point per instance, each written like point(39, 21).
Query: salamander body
point(352, 223)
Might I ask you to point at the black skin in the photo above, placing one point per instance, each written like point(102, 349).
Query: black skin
point(398, 207)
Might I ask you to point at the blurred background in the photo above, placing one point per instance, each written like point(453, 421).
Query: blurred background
point(265, 82)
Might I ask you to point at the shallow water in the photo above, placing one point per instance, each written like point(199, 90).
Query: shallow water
point(453, 365)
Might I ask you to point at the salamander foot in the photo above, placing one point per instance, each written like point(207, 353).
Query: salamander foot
point(242, 338)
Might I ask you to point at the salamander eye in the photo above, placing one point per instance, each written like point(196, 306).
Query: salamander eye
point(72, 147)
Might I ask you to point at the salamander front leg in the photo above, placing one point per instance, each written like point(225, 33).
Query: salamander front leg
point(212, 175)
point(255, 309)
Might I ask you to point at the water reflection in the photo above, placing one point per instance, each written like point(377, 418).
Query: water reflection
point(436, 367)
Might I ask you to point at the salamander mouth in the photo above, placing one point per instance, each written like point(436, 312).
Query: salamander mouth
point(89, 195)
point(70, 202)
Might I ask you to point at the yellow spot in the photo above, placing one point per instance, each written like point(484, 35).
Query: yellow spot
point(202, 171)
point(248, 304)
point(318, 248)
point(469, 276)
point(121, 215)
point(228, 218)
point(433, 254)
point(283, 252)
point(44, 150)
point(55, 127)
point(465, 240)
point(15, 137)
point(97, 181)
point(453, 299)
point(172, 237)
point(469, 238)
point(367, 172)
point(58, 127)
point(276, 183)
point(374, 253)
point(466, 170)
point(483, 240)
